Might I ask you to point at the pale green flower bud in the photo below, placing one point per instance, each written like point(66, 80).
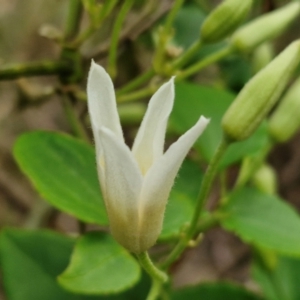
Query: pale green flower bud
point(262, 56)
point(265, 27)
point(260, 94)
point(265, 179)
point(224, 20)
point(285, 121)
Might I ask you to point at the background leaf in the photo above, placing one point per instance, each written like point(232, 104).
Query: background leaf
point(63, 170)
point(263, 220)
point(99, 265)
point(214, 291)
point(279, 283)
point(30, 262)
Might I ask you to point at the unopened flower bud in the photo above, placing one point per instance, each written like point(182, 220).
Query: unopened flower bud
point(265, 28)
point(265, 179)
point(285, 121)
point(260, 94)
point(224, 20)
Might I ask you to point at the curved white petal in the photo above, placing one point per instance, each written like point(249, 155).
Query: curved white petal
point(122, 186)
point(149, 142)
point(159, 181)
point(102, 102)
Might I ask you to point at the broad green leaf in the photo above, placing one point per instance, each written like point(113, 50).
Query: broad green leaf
point(280, 283)
point(63, 170)
point(263, 220)
point(191, 102)
point(99, 265)
point(30, 262)
point(180, 205)
point(214, 291)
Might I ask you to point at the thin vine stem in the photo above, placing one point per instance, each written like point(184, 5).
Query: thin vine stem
point(201, 200)
point(158, 276)
point(218, 55)
point(149, 90)
point(136, 82)
point(74, 18)
point(187, 55)
point(112, 54)
point(105, 12)
point(150, 268)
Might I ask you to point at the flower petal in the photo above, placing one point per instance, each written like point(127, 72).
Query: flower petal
point(102, 102)
point(149, 142)
point(122, 186)
point(159, 181)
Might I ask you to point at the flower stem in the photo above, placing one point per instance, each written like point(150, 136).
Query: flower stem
point(218, 55)
point(112, 54)
point(154, 290)
point(149, 90)
point(139, 94)
point(151, 269)
point(136, 82)
point(108, 6)
point(77, 128)
point(201, 199)
point(187, 55)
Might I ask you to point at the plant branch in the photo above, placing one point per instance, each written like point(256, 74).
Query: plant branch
point(158, 277)
point(216, 56)
point(135, 82)
point(112, 54)
point(34, 69)
point(74, 18)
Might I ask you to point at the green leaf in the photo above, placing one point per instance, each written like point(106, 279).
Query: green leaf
point(31, 261)
point(99, 266)
point(280, 283)
point(187, 25)
point(191, 102)
point(214, 291)
point(263, 220)
point(63, 170)
point(181, 202)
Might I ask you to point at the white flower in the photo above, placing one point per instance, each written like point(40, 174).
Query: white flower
point(135, 183)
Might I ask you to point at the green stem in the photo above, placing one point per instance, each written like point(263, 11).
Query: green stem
point(151, 269)
point(34, 69)
point(164, 36)
point(158, 277)
point(172, 14)
point(105, 11)
point(201, 199)
point(155, 290)
point(147, 91)
point(77, 128)
point(186, 56)
point(136, 82)
point(218, 55)
point(137, 95)
point(74, 18)
point(112, 54)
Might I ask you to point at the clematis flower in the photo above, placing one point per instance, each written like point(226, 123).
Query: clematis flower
point(135, 183)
